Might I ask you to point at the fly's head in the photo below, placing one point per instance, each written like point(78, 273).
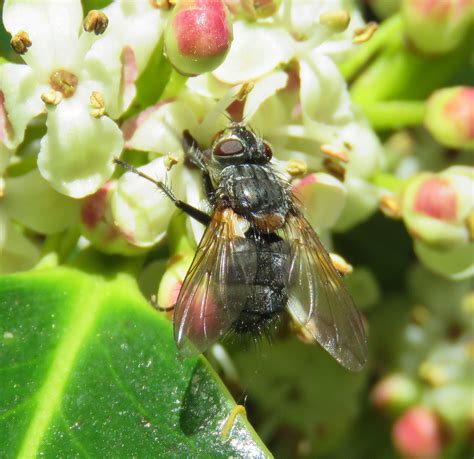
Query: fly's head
point(239, 145)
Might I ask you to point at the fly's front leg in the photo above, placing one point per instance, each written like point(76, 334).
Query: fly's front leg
point(197, 214)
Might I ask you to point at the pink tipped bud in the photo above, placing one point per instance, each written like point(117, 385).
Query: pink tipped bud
point(436, 26)
point(417, 434)
point(436, 198)
point(323, 196)
point(97, 224)
point(173, 279)
point(450, 116)
point(436, 207)
point(394, 393)
point(198, 35)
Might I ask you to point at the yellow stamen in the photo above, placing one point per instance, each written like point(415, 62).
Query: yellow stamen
point(390, 206)
point(52, 97)
point(336, 20)
point(162, 4)
point(20, 42)
point(340, 264)
point(96, 21)
point(296, 167)
point(335, 153)
point(364, 34)
point(334, 168)
point(245, 90)
point(98, 104)
point(64, 82)
point(170, 161)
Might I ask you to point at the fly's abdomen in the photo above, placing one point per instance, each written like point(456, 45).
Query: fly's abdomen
point(257, 284)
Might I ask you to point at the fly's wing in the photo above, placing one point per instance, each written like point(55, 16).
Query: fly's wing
point(204, 312)
point(319, 300)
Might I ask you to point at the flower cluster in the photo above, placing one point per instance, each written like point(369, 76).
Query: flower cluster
point(363, 118)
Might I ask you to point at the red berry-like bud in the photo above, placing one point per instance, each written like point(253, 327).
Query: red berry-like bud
point(450, 116)
point(417, 434)
point(198, 35)
point(436, 26)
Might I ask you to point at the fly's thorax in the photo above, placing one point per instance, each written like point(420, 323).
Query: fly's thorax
point(255, 192)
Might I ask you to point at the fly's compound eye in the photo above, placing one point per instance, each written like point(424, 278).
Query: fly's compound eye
point(267, 151)
point(264, 153)
point(228, 148)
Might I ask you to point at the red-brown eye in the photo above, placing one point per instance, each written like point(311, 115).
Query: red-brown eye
point(229, 147)
point(267, 150)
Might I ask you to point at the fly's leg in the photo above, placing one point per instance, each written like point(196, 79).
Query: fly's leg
point(154, 302)
point(196, 157)
point(230, 421)
point(197, 214)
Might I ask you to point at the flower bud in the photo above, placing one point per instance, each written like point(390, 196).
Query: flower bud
point(139, 208)
point(198, 35)
point(436, 26)
point(417, 434)
point(323, 197)
point(450, 116)
point(384, 8)
point(98, 225)
point(436, 207)
point(252, 9)
point(455, 263)
point(265, 8)
point(364, 288)
point(394, 393)
point(173, 279)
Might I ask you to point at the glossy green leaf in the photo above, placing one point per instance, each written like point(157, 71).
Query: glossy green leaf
point(89, 369)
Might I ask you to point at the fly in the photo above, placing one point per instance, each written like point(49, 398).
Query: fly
point(258, 258)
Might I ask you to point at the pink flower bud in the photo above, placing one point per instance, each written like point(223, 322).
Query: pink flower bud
point(198, 35)
point(436, 207)
point(173, 279)
point(436, 26)
point(417, 434)
point(436, 198)
point(394, 393)
point(450, 116)
point(323, 197)
point(97, 224)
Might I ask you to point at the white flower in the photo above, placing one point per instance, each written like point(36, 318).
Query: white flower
point(28, 201)
point(66, 76)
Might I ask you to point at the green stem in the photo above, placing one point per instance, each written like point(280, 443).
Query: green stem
point(394, 114)
point(388, 181)
point(49, 252)
point(174, 86)
point(387, 31)
point(398, 73)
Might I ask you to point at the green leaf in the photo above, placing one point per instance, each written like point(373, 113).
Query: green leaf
point(89, 369)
